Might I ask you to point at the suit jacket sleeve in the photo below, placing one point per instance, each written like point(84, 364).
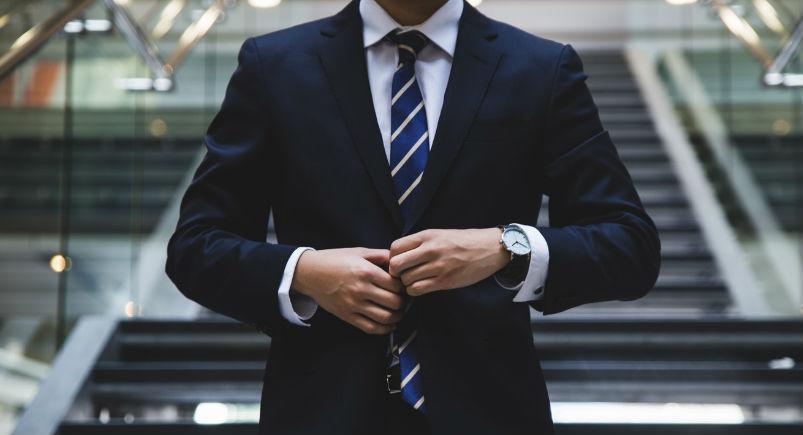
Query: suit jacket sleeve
point(602, 244)
point(217, 255)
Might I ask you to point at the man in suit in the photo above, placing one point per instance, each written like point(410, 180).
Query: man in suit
point(403, 147)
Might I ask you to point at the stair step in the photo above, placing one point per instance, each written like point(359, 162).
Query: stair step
point(191, 428)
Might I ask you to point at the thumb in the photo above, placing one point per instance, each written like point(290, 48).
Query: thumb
point(380, 257)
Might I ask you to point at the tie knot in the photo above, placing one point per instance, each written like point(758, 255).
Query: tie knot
point(410, 43)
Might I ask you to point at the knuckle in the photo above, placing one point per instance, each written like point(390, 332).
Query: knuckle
point(393, 264)
point(358, 291)
point(362, 273)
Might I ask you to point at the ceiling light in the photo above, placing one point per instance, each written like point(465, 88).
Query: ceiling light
point(769, 16)
point(738, 26)
point(59, 263)
point(74, 26)
point(130, 309)
point(97, 25)
point(167, 18)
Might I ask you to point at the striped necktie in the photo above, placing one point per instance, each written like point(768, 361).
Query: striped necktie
point(409, 148)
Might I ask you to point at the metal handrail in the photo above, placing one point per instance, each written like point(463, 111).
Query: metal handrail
point(742, 30)
point(32, 40)
point(774, 75)
point(138, 40)
point(70, 372)
point(10, 7)
point(163, 71)
point(773, 65)
point(195, 33)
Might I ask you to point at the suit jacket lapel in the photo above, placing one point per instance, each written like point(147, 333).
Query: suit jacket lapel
point(474, 63)
point(343, 57)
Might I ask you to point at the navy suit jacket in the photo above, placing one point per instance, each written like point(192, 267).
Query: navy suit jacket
point(297, 135)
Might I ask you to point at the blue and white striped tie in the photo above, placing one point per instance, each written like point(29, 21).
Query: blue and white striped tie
point(409, 148)
point(409, 139)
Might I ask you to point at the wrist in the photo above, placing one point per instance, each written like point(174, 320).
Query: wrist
point(500, 256)
point(302, 278)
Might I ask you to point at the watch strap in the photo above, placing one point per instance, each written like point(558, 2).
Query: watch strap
point(516, 270)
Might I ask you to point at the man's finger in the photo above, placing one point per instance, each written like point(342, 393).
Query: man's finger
point(379, 257)
point(379, 314)
point(391, 301)
point(384, 280)
point(399, 263)
point(417, 273)
point(369, 326)
point(424, 286)
point(406, 243)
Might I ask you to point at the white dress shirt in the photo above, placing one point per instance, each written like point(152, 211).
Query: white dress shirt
point(432, 68)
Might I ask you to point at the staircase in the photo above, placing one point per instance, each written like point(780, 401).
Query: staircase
point(775, 163)
point(152, 375)
point(118, 186)
point(764, 127)
point(689, 284)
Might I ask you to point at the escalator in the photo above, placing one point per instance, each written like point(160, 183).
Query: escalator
point(689, 284)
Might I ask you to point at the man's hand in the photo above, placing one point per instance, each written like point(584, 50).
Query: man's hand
point(433, 260)
point(352, 284)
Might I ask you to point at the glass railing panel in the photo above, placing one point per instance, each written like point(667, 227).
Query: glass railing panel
point(749, 135)
point(32, 174)
point(133, 149)
point(770, 30)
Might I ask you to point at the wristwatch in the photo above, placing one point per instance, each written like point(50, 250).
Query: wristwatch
point(515, 241)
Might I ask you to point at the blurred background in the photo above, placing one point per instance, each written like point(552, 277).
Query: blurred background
point(103, 105)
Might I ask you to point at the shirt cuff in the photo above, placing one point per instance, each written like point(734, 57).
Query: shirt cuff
point(532, 287)
point(295, 307)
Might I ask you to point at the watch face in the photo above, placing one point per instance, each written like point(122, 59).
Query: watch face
point(516, 241)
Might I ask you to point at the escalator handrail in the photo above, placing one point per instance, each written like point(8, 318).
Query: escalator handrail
point(38, 35)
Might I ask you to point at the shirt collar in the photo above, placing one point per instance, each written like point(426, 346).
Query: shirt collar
point(440, 28)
